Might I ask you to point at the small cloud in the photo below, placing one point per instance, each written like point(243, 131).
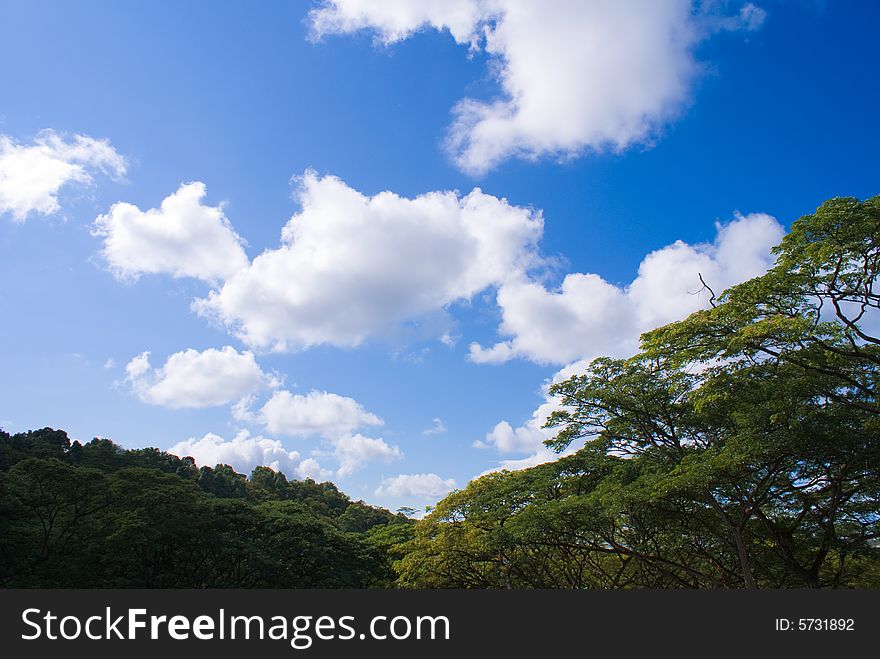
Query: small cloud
point(199, 379)
point(242, 410)
point(32, 176)
point(244, 452)
point(437, 428)
point(450, 340)
point(316, 413)
point(354, 451)
point(182, 238)
point(419, 486)
point(310, 468)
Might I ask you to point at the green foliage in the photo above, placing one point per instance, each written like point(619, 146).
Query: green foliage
point(739, 448)
point(97, 515)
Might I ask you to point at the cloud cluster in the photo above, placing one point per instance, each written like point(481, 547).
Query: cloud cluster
point(418, 486)
point(316, 413)
point(182, 238)
point(353, 451)
point(193, 379)
point(198, 379)
point(574, 75)
point(245, 452)
point(333, 418)
point(32, 176)
point(587, 316)
point(352, 266)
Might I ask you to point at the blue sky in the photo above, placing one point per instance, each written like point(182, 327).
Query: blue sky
point(659, 121)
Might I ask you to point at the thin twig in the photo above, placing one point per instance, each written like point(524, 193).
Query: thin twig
point(707, 288)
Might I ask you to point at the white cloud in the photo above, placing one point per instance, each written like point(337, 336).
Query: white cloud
point(540, 456)
point(353, 266)
point(527, 437)
point(32, 176)
point(354, 451)
point(317, 413)
point(331, 417)
point(663, 292)
point(183, 238)
point(585, 314)
point(574, 75)
point(311, 468)
point(244, 452)
point(138, 367)
point(198, 379)
point(437, 428)
point(397, 19)
point(587, 317)
point(420, 486)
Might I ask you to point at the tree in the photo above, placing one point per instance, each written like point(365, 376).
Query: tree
point(223, 481)
point(739, 448)
point(761, 411)
point(52, 514)
point(97, 515)
point(816, 309)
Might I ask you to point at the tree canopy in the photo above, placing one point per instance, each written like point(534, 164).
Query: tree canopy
point(96, 515)
point(738, 448)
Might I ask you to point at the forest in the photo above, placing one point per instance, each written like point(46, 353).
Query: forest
point(95, 515)
point(739, 448)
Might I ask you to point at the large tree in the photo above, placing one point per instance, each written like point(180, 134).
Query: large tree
point(739, 448)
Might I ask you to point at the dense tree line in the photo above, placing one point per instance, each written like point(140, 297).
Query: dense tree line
point(96, 515)
point(739, 448)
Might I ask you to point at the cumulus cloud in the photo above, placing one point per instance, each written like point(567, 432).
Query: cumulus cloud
point(352, 266)
point(32, 176)
point(587, 316)
point(523, 439)
point(311, 468)
point(395, 20)
point(664, 291)
point(182, 238)
point(316, 413)
point(326, 415)
point(528, 438)
point(420, 486)
point(245, 452)
point(354, 451)
point(198, 379)
point(540, 456)
point(573, 75)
